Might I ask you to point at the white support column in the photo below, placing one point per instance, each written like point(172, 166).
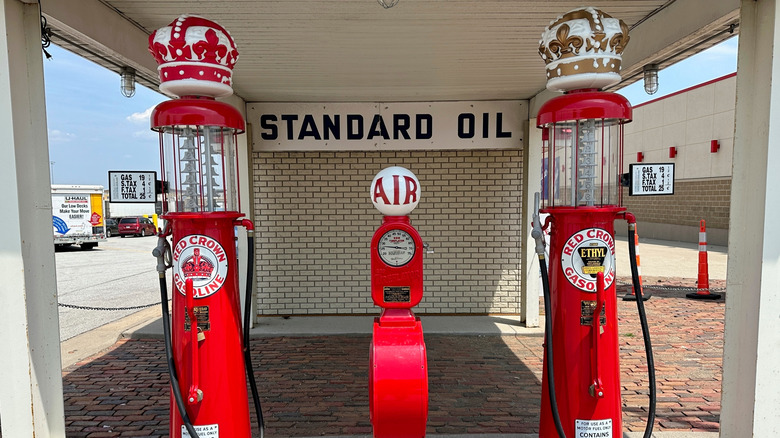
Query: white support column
point(31, 402)
point(245, 181)
point(532, 176)
point(751, 377)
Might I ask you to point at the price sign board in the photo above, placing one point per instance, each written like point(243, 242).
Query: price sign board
point(131, 186)
point(651, 179)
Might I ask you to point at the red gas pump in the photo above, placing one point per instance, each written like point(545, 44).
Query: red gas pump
point(207, 357)
point(583, 130)
point(398, 366)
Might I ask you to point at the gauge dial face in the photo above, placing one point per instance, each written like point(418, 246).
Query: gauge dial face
point(396, 247)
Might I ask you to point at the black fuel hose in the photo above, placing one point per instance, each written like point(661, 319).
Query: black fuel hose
point(166, 322)
point(645, 330)
point(549, 347)
point(247, 311)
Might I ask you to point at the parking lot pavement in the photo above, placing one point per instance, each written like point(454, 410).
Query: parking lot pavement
point(118, 274)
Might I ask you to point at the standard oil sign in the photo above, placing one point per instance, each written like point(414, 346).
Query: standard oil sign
point(379, 126)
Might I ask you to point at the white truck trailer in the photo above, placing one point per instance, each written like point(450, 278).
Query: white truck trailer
point(77, 215)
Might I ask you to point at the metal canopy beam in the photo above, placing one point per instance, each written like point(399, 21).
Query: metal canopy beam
point(676, 32)
point(102, 35)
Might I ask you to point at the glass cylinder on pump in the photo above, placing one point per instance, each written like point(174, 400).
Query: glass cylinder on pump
point(583, 148)
point(198, 155)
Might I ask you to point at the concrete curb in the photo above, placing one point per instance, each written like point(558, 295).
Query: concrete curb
point(94, 341)
point(362, 326)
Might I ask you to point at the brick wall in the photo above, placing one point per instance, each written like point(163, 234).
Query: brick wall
point(314, 221)
point(692, 201)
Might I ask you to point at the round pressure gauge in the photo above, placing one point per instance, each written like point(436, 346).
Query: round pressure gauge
point(396, 247)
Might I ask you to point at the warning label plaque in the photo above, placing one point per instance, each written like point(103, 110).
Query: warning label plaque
point(397, 294)
point(587, 308)
point(593, 428)
point(204, 431)
point(201, 315)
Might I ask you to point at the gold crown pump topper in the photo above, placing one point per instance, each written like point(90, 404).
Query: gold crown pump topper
point(582, 134)
point(208, 358)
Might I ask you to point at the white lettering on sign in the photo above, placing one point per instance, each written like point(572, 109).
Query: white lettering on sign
point(132, 186)
point(651, 179)
point(203, 431)
point(387, 126)
point(593, 428)
point(395, 191)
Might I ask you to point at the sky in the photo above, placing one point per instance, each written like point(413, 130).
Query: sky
point(94, 129)
point(709, 64)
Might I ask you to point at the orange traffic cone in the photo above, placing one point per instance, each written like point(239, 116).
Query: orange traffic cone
point(630, 296)
point(703, 283)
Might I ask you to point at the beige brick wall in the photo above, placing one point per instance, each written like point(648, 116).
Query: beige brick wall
point(314, 221)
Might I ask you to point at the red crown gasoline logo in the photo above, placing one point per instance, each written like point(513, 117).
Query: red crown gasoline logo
point(197, 266)
point(203, 260)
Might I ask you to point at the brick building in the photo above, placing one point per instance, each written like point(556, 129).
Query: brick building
point(688, 121)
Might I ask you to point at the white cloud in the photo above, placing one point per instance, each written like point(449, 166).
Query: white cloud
point(57, 136)
point(141, 117)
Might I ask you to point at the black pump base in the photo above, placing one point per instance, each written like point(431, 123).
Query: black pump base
point(631, 297)
point(707, 296)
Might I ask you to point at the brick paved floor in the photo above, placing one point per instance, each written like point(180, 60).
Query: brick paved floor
point(316, 386)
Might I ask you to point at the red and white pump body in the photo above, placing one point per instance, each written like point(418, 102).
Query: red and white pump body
point(582, 159)
point(584, 134)
point(198, 152)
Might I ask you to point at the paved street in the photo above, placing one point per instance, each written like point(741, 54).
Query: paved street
point(118, 273)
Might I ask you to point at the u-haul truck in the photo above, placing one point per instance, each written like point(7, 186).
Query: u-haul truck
point(77, 215)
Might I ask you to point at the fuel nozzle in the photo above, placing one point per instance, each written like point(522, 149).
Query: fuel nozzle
point(163, 254)
point(536, 232)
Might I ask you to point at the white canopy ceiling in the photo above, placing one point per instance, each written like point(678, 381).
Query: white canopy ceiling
point(355, 50)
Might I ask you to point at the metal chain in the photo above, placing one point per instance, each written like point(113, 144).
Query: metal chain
point(73, 306)
point(673, 288)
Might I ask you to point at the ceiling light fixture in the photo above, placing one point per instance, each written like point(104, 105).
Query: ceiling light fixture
point(127, 77)
point(387, 4)
point(651, 78)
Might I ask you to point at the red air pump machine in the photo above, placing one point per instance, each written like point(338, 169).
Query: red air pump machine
point(398, 366)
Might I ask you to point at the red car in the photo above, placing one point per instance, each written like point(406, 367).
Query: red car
point(136, 226)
